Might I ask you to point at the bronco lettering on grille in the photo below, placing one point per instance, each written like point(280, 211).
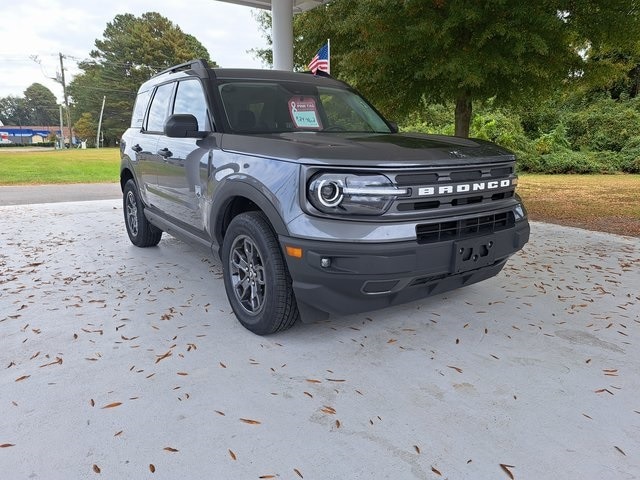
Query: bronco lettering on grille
point(464, 187)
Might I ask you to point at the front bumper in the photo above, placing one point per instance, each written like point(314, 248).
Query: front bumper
point(344, 278)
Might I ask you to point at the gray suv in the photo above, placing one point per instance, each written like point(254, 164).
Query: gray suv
point(314, 202)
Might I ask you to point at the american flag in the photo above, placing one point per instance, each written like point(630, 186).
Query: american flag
point(321, 60)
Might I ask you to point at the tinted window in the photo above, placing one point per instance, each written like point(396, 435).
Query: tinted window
point(159, 107)
point(265, 107)
point(190, 99)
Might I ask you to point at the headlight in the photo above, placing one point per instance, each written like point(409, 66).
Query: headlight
point(354, 194)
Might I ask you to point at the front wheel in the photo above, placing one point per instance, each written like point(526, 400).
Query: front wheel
point(256, 278)
point(140, 231)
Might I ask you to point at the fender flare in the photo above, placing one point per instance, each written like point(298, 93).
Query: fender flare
point(239, 188)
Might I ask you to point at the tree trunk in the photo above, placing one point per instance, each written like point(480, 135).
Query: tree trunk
point(463, 115)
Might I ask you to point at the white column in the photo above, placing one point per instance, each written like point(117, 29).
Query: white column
point(282, 32)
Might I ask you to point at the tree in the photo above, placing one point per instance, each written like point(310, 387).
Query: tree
point(12, 110)
point(41, 105)
point(399, 51)
point(132, 50)
point(86, 128)
point(37, 107)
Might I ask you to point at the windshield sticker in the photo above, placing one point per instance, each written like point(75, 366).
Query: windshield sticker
point(304, 112)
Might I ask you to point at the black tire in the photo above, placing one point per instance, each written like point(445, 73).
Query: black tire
point(140, 231)
point(256, 277)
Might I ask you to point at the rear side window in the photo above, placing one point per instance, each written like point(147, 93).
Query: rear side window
point(159, 108)
point(142, 100)
point(190, 99)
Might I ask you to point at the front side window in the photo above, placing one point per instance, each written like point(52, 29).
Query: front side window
point(268, 107)
point(190, 98)
point(159, 108)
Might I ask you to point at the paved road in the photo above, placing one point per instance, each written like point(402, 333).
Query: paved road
point(77, 192)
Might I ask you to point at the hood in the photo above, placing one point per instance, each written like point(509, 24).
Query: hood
point(375, 149)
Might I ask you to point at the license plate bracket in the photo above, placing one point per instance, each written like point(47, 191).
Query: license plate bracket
point(473, 253)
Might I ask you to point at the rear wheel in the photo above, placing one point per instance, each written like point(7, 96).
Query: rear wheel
point(140, 231)
point(256, 278)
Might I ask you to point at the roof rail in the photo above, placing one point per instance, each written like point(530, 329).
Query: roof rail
point(191, 64)
point(318, 73)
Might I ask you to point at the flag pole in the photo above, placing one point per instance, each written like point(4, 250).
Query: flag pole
point(329, 56)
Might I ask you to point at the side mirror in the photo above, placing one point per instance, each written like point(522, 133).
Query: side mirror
point(394, 127)
point(183, 125)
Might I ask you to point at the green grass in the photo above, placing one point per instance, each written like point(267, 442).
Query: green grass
point(59, 166)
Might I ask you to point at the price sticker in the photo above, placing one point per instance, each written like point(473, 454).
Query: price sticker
point(304, 112)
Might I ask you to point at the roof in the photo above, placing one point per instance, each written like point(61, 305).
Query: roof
point(299, 6)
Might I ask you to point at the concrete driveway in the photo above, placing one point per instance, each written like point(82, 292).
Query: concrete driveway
point(119, 362)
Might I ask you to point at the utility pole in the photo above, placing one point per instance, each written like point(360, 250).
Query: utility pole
point(61, 130)
point(104, 98)
point(66, 101)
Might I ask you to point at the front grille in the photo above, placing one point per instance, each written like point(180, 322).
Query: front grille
point(469, 227)
point(453, 188)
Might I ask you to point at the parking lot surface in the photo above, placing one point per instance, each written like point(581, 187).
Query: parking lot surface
point(119, 362)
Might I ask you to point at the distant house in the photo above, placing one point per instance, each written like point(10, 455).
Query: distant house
point(29, 134)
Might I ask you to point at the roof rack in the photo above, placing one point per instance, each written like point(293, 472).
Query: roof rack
point(191, 64)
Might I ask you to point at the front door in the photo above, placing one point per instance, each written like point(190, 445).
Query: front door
point(184, 162)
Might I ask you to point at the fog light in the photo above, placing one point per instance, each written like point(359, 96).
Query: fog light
point(325, 262)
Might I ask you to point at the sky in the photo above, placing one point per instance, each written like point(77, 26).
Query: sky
point(33, 33)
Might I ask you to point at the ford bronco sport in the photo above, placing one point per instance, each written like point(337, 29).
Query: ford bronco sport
point(314, 202)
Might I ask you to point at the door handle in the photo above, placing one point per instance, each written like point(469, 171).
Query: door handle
point(165, 152)
point(136, 148)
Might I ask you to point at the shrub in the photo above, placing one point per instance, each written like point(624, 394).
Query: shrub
point(604, 124)
point(630, 156)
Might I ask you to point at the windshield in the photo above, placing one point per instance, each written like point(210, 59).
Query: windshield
point(268, 107)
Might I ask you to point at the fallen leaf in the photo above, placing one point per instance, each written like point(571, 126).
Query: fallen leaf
point(308, 394)
point(117, 434)
point(219, 412)
point(417, 448)
point(507, 471)
point(57, 361)
point(457, 369)
point(620, 450)
point(7, 445)
point(163, 356)
point(335, 380)
point(171, 449)
point(436, 471)
point(337, 423)
point(152, 468)
point(222, 365)
point(250, 422)
point(267, 476)
point(92, 403)
point(96, 468)
point(24, 377)
point(313, 380)
point(183, 373)
point(298, 472)
point(232, 455)
point(329, 410)
point(113, 405)
point(602, 390)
